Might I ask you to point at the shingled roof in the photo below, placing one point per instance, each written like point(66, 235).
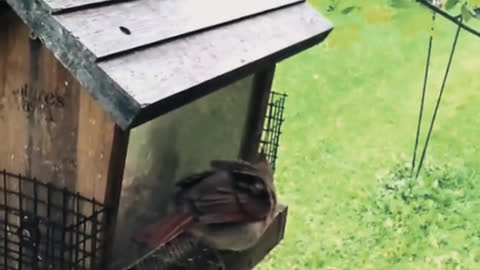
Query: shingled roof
point(142, 58)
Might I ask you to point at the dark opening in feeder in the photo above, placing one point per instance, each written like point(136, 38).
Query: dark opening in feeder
point(102, 110)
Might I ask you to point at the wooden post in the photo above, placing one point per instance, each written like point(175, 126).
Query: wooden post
point(114, 187)
point(256, 116)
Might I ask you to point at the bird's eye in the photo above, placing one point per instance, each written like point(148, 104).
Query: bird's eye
point(259, 186)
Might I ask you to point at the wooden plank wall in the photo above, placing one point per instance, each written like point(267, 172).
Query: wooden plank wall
point(50, 128)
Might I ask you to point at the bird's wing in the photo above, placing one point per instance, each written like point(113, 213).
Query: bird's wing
point(192, 179)
point(226, 197)
point(237, 167)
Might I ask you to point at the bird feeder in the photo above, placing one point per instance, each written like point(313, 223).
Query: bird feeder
point(105, 104)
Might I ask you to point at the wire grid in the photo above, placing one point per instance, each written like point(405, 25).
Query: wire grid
point(273, 127)
point(46, 227)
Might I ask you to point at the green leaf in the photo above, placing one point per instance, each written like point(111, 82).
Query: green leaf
point(466, 13)
point(476, 13)
point(344, 36)
point(378, 14)
point(451, 4)
point(413, 21)
point(400, 3)
point(475, 3)
point(348, 9)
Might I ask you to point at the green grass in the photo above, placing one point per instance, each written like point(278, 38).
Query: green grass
point(351, 116)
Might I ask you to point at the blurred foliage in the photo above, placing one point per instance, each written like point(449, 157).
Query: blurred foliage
point(409, 16)
point(432, 219)
point(350, 116)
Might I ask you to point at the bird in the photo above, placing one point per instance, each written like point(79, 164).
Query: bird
point(228, 207)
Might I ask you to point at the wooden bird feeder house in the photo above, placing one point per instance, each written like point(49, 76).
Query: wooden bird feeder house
point(104, 104)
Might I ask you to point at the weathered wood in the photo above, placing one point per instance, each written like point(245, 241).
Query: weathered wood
point(145, 22)
point(148, 82)
point(57, 6)
point(14, 59)
point(249, 258)
point(113, 190)
point(94, 146)
point(198, 62)
point(53, 130)
point(80, 62)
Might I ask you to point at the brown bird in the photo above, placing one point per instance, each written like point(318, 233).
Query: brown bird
point(228, 207)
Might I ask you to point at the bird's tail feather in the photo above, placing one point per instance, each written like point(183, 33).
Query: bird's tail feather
point(164, 231)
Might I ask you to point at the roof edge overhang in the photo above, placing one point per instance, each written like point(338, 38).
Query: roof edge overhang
point(124, 110)
point(79, 61)
point(171, 103)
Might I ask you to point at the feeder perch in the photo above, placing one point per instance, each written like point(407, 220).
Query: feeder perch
point(105, 104)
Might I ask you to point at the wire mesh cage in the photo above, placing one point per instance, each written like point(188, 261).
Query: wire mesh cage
point(46, 227)
point(273, 126)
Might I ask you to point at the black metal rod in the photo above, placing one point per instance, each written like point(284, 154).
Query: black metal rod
point(64, 223)
point(49, 186)
point(21, 220)
point(94, 235)
point(276, 129)
point(35, 212)
point(432, 123)
point(53, 207)
point(449, 17)
point(84, 245)
point(77, 234)
point(5, 259)
point(50, 230)
point(424, 91)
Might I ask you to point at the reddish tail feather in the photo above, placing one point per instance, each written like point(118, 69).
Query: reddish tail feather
point(164, 231)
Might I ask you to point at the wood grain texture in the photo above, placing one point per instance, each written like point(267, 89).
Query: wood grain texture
point(65, 5)
point(39, 121)
point(52, 127)
point(189, 62)
point(14, 59)
point(79, 61)
point(113, 190)
point(140, 85)
point(94, 145)
point(151, 21)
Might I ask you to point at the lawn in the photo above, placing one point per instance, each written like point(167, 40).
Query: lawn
point(350, 118)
